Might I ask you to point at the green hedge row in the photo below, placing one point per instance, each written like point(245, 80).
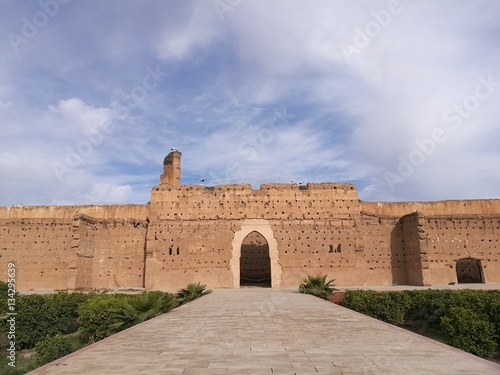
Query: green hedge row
point(104, 315)
point(40, 316)
point(470, 319)
point(96, 316)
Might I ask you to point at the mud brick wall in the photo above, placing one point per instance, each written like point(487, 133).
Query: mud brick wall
point(41, 250)
point(192, 233)
point(52, 250)
point(382, 255)
point(109, 253)
point(180, 252)
point(451, 238)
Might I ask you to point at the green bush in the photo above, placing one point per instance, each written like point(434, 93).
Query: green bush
point(191, 292)
point(34, 320)
point(4, 295)
point(52, 348)
point(464, 329)
point(97, 316)
point(67, 307)
point(40, 316)
point(391, 307)
point(432, 305)
point(317, 286)
point(437, 308)
point(429, 305)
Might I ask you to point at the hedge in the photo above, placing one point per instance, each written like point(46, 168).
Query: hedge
point(438, 308)
point(464, 329)
point(97, 315)
point(52, 348)
point(40, 316)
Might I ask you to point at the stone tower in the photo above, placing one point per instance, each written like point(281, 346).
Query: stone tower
point(171, 169)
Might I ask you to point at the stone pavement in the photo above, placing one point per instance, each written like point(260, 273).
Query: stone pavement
point(266, 331)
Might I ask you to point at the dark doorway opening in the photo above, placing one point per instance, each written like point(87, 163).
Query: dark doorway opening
point(255, 263)
point(469, 270)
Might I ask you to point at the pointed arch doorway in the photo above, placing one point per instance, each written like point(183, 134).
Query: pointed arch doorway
point(255, 262)
point(263, 227)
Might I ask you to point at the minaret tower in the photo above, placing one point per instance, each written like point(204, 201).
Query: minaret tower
point(171, 169)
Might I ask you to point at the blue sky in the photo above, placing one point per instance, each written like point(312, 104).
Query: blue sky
point(399, 97)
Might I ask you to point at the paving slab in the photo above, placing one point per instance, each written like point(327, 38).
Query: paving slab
point(266, 331)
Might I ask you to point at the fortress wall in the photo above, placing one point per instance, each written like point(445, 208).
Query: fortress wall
point(190, 233)
point(58, 253)
point(182, 252)
point(110, 253)
point(40, 248)
point(415, 251)
point(109, 212)
point(383, 260)
point(449, 207)
point(449, 239)
point(317, 247)
point(239, 202)
point(311, 224)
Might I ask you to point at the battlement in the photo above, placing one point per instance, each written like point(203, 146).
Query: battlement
point(240, 201)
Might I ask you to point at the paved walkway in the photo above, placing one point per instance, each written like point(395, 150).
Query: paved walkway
point(266, 331)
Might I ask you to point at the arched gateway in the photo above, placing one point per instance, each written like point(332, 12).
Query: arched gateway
point(255, 263)
point(255, 255)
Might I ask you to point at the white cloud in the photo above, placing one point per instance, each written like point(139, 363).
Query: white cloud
point(108, 193)
point(353, 118)
point(85, 117)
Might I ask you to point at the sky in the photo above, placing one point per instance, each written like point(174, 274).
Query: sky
point(400, 98)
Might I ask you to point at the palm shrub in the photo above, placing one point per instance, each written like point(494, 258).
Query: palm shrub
point(191, 292)
point(169, 301)
point(317, 286)
point(142, 308)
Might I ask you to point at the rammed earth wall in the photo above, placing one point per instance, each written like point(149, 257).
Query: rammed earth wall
point(191, 233)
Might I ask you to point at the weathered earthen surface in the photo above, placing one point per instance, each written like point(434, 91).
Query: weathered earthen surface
point(222, 235)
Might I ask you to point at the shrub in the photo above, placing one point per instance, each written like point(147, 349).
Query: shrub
point(391, 307)
point(66, 306)
point(52, 348)
point(40, 316)
point(97, 319)
point(34, 321)
point(4, 341)
point(191, 292)
point(143, 307)
point(469, 318)
point(464, 329)
point(4, 295)
point(317, 286)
